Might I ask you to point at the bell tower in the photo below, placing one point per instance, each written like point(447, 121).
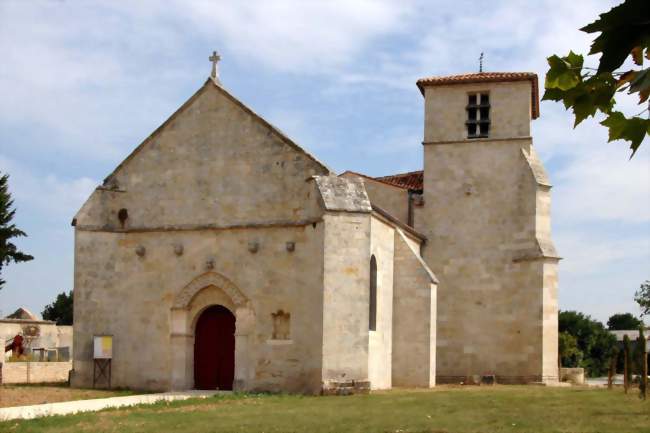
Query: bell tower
point(486, 215)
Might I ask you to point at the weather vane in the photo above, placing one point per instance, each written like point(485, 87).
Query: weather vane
point(480, 62)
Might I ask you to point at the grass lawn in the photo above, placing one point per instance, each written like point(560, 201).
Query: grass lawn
point(24, 395)
point(443, 409)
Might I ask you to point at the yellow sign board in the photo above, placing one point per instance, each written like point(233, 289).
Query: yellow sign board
point(103, 346)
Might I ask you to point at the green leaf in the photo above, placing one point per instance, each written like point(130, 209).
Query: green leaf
point(560, 75)
point(616, 124)
point(553, 94)
point(633, 130)
point(583, 107)
point(574, 60)
point(622, 28)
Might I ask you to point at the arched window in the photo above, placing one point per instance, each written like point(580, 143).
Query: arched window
point(372, 322)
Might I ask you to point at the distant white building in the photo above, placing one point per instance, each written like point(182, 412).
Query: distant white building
point(39, 336)
point(633, 334)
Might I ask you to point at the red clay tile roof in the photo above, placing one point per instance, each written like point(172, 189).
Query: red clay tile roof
point(487, 77)
point(376, 179)
point(410, 180)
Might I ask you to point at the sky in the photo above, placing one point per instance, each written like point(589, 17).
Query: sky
point(82, 83)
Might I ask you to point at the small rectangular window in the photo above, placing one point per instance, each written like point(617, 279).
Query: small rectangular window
point(478, 115)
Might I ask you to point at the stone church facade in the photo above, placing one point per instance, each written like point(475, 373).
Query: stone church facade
point(221, 254)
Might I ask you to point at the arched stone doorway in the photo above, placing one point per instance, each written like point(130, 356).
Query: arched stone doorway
point(198, 296)
point(214, 349)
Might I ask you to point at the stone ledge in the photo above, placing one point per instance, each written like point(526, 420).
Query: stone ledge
point(346, 387)
point(272, 342)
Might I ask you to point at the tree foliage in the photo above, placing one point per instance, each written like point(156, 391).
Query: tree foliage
point(61, 310)
point(8, 251)
point(570, 355)
point(624, 32)
point(623, 322)
point(642, 297)
point(593, 340)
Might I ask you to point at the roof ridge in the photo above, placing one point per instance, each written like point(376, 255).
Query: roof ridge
point(400, 174)
point(365, 176)
point(411, 180)
point(465, 74)
point(274, 128)
point(486, 77)
point(233, 98)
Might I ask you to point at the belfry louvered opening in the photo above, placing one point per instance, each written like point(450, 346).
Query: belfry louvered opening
point(478, 115)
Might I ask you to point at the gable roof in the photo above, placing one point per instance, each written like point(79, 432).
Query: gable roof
point(343, 194)
point(487, 77)
point(22, 314)
point(632, 334)
point(347, 173)
point(211, 83)
point(412, 180)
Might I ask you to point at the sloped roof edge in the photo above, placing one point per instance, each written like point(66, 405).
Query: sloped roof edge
point(186, 104)
point(397, 223)
point(370, 178)
point(410, 180)
point(487, 77)
point(425, 267)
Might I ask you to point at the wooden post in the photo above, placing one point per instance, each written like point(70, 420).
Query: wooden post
point(626, 362)
point(644, 365)
point(610, 374)
point(625, 383)
point(643, 384)
point(612, 368)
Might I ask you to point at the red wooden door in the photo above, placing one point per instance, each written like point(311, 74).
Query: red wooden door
point(214, 349)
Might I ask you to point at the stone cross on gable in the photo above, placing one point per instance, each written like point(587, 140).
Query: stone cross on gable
point(214, 58)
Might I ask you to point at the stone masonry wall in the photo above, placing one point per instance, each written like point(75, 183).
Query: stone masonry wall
point(414, 318)
point(381, 340)
point(345, 297)
point(131, 298)
point(213, 163)
point(480, 217)
point(215, 190)
point(486, 216)
point(445, 114)
point(35, 372)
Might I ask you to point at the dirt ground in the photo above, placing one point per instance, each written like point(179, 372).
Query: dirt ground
point(24, 395)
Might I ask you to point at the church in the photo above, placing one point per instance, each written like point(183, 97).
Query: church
point(220, 254)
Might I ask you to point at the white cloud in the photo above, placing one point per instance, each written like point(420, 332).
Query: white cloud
point(587, 253)
point(603, 184)
point(299, 37)
point(47, 197)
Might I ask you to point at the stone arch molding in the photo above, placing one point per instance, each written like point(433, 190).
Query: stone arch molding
point(185, 296)
point(182, 336)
